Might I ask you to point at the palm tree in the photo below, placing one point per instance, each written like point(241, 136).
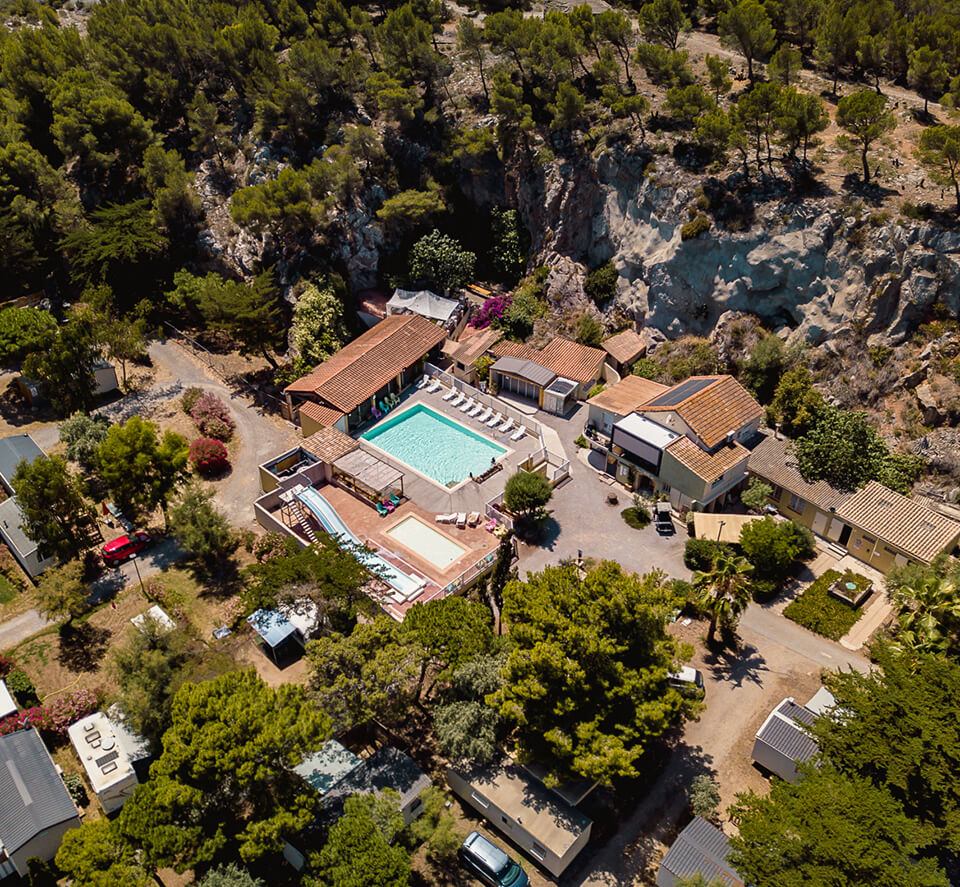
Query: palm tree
point(724, 589)
point(929, 613)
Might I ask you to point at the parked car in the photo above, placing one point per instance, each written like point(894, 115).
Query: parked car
point(116, 551)
point(490, 864)
point(687, 680)
point(662, 520)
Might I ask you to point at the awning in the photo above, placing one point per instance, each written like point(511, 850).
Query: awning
point(721, 527)
point(424, 303)
point(525, 369)
point(273, 627)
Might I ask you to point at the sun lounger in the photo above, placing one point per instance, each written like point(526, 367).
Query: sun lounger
point(506, 426)
point(482, 418)
point(434, 386)
point(451, 394)
point(476, 411)
point(474, 518)
point(469, 405)
point(462, 519)
point(520, 432)
point(496, 420)
point(446, 518)
point(423, 382)
point(459, 399)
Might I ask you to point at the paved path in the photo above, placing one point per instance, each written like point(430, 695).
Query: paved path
point(21, 627)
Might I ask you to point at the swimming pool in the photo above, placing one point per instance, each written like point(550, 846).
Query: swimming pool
point(434, 445)
point(432, 546)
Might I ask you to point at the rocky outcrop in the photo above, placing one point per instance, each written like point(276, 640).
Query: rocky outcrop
point(805, 265)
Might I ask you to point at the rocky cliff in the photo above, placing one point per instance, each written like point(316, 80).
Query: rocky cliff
point(815, 266)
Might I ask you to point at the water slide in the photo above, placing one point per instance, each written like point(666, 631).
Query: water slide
point(324, 512)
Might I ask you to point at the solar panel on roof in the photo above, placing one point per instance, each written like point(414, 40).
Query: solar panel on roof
point(681, 392)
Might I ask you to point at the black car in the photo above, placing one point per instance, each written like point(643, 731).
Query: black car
point(662, 520)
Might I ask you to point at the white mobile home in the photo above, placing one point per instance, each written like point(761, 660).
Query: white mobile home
point(524, 810)
point(103, 750)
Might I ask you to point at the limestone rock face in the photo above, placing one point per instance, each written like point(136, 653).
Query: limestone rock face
point(805, 266)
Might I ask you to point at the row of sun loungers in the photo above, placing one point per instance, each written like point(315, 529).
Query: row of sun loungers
point(461, 519)
point(476, 410)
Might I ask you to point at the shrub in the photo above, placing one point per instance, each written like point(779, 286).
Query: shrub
point(212, 417)
point(582, 442)
point(56, 718)
point(600, 284)
point(492, 311)
point(817, 610)
point(646, 368)
point(698, 554)
point(7, 665)
point(190, 397)
point(695, 227)
point(267, 547)
point(22, 687)
point(589, 330)
point(637, 516)
point(76, 789)
point(593, 392)
point(704, 797)
point(527, 493)
point(773, 547)
point(209, 456)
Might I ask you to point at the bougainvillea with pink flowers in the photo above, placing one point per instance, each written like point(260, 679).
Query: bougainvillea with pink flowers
point(212, 416)
point(491, 311)
point(55, 717)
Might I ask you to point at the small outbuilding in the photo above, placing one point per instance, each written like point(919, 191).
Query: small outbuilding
point(22, 547)
point(281, 640)
point(782, 742)
point(108, 758)
point(700, 849)
point(14, 449)
point(521, 807)
point(624, 349)
point(36, 810)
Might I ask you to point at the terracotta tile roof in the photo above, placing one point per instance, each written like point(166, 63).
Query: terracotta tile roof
point(903, 523)
point(774, 461)
point(712, 409)
point(707, 466)
point(470, 347)
point(321, 413)
point(328, 444)
point(625, 346)
point(359, 370)
point(624, 397)
point(568, 359)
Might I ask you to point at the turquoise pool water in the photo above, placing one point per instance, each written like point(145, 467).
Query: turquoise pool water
point(434, 445)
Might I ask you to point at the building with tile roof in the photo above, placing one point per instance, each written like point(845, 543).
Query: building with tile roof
point(624, 349)
point(35, 807)
point(619, 400)
point(687, 441)
point(579, 363)
point(700, 849)
point(355, 380)
point(876, 525)
point(709, 409)
point(471, 345)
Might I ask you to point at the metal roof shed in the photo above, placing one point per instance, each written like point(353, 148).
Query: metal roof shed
point(275, 630)
point(524, 369)
point(700, 848)
point(15, 449)
point(325, 768)
point(781, 742)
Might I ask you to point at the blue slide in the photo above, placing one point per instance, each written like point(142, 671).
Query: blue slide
point(331, 522)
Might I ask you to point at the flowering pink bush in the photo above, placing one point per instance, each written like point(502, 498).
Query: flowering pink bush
point(56, 717)
point(212, 417)
point(492, 310)
point(267, 547)
point(170, 604)
point(209, 456)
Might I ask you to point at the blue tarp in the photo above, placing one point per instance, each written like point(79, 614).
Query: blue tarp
point(272, 626)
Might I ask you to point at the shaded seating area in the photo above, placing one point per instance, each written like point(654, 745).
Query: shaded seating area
point(369, 477)
point(280, 638)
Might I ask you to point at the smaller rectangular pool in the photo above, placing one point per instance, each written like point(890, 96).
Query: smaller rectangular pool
point(433, 547)
point(444, 450)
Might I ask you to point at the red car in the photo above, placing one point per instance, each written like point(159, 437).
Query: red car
point(118, 550)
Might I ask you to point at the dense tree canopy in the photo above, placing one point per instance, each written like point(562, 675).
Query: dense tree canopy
point(586, 677)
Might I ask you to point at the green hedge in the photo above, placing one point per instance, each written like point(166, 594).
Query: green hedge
point(817, 610)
